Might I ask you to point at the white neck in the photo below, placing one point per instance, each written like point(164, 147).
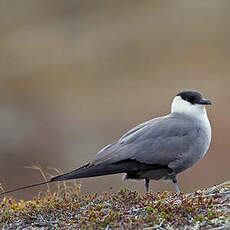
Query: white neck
point(182, 106)
point(197, 111)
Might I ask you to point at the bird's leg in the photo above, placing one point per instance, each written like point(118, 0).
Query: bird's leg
point(147, 185)
point(176, 186)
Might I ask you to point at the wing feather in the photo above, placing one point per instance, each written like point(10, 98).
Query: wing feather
point(158, 141)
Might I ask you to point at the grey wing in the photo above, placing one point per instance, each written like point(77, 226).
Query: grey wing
point(117, 151)
point(158, 141)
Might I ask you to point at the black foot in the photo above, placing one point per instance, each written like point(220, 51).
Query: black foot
point(147, 185)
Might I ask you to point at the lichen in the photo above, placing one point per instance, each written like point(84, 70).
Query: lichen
point(125, 209)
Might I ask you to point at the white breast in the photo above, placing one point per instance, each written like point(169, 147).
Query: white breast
point(207, 127)
point(197, 111)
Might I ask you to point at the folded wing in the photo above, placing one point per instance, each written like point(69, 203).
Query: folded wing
point(152, 145)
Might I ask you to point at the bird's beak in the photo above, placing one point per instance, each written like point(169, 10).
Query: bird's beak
point(205, 102)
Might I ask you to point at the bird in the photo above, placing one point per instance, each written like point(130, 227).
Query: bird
point(158, 149)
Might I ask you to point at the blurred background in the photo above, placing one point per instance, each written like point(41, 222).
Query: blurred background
point(75, 75)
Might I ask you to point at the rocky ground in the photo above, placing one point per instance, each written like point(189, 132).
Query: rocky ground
point(126, 209)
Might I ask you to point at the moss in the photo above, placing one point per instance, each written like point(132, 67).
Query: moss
point(125, 209)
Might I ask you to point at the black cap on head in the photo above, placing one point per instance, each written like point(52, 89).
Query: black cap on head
point(194, 97)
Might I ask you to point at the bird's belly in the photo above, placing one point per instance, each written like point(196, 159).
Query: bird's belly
point(154, 174)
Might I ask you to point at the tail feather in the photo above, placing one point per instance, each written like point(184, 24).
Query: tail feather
point(90, 170)
point(85, 171)
point(24, 187)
